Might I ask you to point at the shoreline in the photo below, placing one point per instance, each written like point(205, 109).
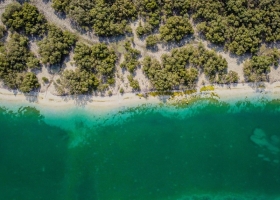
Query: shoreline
point(48, 100)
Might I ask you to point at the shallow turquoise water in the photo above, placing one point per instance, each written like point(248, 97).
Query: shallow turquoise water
point(202, 151)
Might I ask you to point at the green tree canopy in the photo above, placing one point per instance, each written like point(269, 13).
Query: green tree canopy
point(215, 31)
point(77, 82)
point(2, 31)
point(55, 45)
point(24, 18)
point(15, 60)
point(151, 41)
point(241, 24)
point(256, 69)
point(130, 58)
point(97, 58)
point(175, 29)
point(133, 83)
point(111, 18)
point(182, 67)
point(150, 11)
point(107, 18)
point(28, 82)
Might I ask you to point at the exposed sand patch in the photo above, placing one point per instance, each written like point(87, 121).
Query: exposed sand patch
point(240, 91)
point(274, 74)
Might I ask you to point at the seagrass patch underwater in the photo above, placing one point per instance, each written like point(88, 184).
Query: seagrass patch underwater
point(206, 150)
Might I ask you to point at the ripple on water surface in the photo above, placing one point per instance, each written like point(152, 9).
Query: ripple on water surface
point(207, 150)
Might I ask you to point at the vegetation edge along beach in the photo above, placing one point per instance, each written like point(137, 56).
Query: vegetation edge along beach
point(221, 93)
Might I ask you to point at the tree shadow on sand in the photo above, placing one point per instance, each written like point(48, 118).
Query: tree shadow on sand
point(153, 49)
point(112, 39)
point(219, 48)
point(168, 46)
point(32, 97)
point(79, 100)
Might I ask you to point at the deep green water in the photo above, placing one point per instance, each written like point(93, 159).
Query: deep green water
point(202, 151)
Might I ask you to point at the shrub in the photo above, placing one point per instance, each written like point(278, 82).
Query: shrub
point(133, 83)
point(207, 88)
point(15, 60)
point(56, 45)
point(2, 31)
point(110, 18)
point(121, 90)
point(151, 41)
point(97, 58)
point(175, 29)
point(140, 30)
point(45, 79)
point(181, 67)
point(24, 18)
point(130, 58)
point(29, 82)
point(78, 82)
point(256, 69)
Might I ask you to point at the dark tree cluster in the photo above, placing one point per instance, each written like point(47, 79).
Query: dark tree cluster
point(239, 24)
point(230, 77)
point(62, 5)
point(175, 28)
point(133, 83)
point(16, 58)
point(77, 82)
point(14, 63)
point(150, 11)
point(182, 66)
point(106, 17)
point(257, 68)
point(111, 17)
point(78, 11)
point(2, 32)
point(159, 77)
point(56, 45)
point(209, 62)
point(96, 67)
point(25, 18)
point(179, 7)
point(98, 59)
point(130, 58)
point(151, 41)
point(28, 82)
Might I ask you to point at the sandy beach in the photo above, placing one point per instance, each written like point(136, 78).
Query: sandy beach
point(223, 92)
